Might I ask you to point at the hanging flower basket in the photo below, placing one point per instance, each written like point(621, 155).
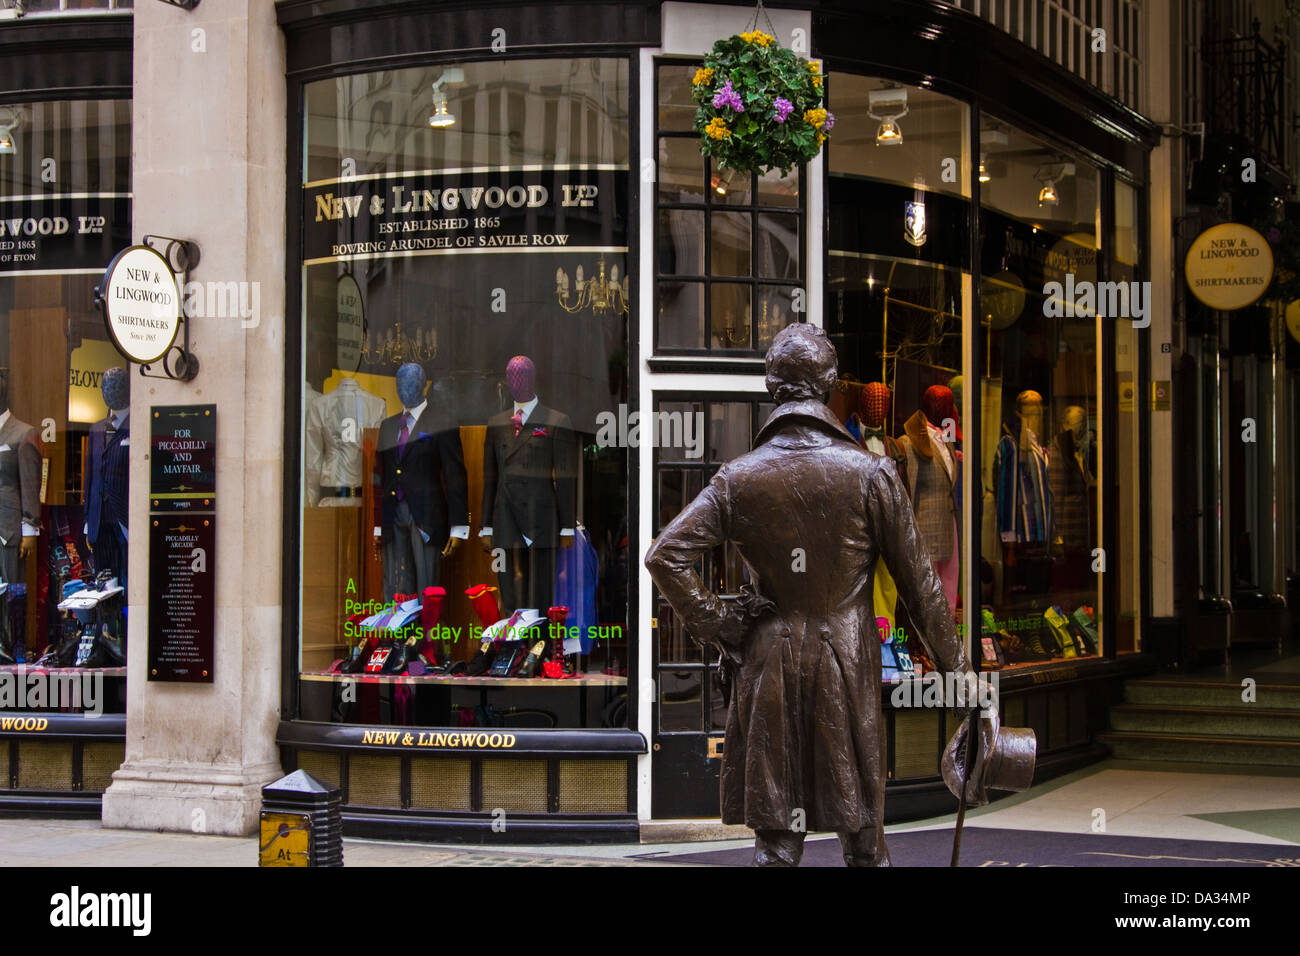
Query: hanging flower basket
point(760, 105)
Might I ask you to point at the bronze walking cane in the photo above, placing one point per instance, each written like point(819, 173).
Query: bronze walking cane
point(961, 801)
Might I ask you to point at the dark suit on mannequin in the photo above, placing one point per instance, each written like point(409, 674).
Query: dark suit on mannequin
point(105, 478)
point(425, 495)
point(529, 497)
point(20, 492)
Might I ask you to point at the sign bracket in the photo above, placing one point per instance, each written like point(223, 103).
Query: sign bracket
point(182, 255)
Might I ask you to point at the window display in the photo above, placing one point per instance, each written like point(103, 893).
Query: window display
point(1038, 309)
point(64, 395)
point(464, 335)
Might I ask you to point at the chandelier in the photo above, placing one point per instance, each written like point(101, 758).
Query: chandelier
point(398, 348)
point(599, 294)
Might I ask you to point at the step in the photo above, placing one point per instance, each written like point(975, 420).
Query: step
point(1190, 748)
point(1242, 722)
point(1211, 694)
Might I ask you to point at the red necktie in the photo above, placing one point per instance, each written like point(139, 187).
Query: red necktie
point(518, 419)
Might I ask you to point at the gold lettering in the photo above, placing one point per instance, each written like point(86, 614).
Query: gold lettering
point(508, 740)
point(494, 740)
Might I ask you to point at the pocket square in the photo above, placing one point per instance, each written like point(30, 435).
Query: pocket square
point(541, 431)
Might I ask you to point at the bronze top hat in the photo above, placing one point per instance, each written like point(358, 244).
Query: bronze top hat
point(1004, 760)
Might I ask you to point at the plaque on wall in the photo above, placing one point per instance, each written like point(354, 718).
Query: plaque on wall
point(182, 597)
point(182, 457)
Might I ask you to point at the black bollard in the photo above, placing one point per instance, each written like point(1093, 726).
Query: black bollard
point(302, 823)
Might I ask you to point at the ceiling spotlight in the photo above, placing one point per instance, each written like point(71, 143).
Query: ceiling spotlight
point(1049, 175)
point(984, 173)
point(1047, 195)
point(7, 141)
point(443, 117)
point(888, 106)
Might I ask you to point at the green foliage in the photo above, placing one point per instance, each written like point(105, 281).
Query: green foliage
point(759, 73)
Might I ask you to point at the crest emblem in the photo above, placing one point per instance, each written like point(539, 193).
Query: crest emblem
point(914, 223)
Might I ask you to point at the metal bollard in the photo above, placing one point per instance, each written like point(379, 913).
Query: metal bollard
point(302, 823)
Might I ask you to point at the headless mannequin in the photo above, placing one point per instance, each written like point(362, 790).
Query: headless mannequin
point(932, 477)
point(20, 484)
point(106, 478)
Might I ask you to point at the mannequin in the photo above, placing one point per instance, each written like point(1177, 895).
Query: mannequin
point(420, 477)
point(1069, 477)
point(530, 468)
point(20, 488)
point(105, 476)
point(1024, 496)
point(332, 461)
point(931, 478)
point(872, 414)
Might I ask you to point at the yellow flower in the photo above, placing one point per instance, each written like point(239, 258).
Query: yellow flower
point(717, 128)
point(702, 75)
point(814, 68)
point(817, 82)
point(815, 118)
point(821, 137)
point(759, 37)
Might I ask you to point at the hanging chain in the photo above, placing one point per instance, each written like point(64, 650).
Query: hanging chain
point(753, 23)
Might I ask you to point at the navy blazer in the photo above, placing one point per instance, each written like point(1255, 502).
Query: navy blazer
point(105, 476)
point(429, 473)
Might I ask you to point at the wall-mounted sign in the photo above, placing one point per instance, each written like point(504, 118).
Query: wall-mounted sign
point(182, 597)
point(182, 457)
point(352, 323)
point(142, 304)
point(1229, 266)
point(182, 558)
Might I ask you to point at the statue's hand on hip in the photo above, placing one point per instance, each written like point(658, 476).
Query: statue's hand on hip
point(28, 546)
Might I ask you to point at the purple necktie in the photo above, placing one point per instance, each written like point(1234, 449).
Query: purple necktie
point(404, 435)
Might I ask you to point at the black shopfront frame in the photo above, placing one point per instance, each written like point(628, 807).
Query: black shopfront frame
point(906, 40)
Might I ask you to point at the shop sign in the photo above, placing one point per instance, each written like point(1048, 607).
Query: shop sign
point(1162, 396)
point(142, 304)
point(61, 232)
point(1229, 266)
point(914, 223)
point(482, 210)
point(351, 322)
point(182, 546)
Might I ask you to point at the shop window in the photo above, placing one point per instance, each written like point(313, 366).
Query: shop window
point(1040, 555)
point(465, 298)
point(1126, 266)
point(713, 431)
point(728, 245)
point(897, 305)
point(65, 427)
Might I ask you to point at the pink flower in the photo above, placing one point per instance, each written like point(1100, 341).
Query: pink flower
point(830, 122)
point(783, 108)
point(726, 96)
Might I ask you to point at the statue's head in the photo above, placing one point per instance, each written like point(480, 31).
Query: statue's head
point(411, 381)
point(521, 378)
point(115, 386)
point(801, 364)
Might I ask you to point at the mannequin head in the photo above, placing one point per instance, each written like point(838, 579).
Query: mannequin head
point(801, 364)
point(1075, 421)
point(875, 404)
point(955, 383)
point(411, 382)
point(937, 404)
point(115, 386)
point(1029, 408)
point(521, 378)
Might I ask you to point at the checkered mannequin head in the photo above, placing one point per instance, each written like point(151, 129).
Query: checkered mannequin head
point(115, 386)
point(937, 404)
point(521, 378)
point(411, 381)
point(801, 364)
point(874, 404)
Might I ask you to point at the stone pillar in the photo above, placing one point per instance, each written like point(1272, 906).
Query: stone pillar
point(209, 165)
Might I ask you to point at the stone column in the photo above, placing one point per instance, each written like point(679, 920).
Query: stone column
point(209, 165)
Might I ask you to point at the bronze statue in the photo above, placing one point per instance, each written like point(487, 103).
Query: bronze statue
point(810, 513)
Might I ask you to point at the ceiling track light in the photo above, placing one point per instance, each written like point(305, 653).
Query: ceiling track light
point(1049, 175)
point(984, 173)
point(9, 119)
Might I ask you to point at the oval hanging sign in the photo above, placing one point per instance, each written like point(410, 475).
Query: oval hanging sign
point(1229, 266)
point(352, 323)
point(142, 304)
